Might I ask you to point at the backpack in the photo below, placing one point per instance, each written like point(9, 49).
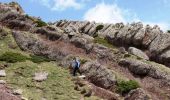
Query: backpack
point(76, 64)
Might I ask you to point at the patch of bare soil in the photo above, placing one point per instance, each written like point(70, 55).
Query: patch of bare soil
point(6, 94)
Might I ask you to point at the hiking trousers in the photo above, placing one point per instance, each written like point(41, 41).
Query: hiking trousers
point(76, 69)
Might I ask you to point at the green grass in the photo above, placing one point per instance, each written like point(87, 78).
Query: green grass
point(58, 86)
point(40, 23)
point(39, 59)
point(29, 17)
point(103, 42)
point(12, 57)
point(126, 86)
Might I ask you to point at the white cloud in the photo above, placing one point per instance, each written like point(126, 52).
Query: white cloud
point(64, 4)
point(105, 13)
point(60, 5)
point(111, 13)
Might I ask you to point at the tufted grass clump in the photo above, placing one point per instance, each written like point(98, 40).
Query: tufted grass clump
point(39, 59)
point(40, 23)
point(12, 57)
point(126, 86)
point(103, 42)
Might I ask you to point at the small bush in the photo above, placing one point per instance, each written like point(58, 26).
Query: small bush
point(99, 27)
point(13, 57)
point(39, 59)
point(168, 31)
point(29, 17)
point(126, 86)
point(40, 23)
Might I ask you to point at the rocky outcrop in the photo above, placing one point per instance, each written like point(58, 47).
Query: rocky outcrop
point(144, 68)
point(98, 74)
point(137, 94)
point(138, 53)
point(14, 20)
point(29, 42)
point(136, 66)
point(52, 33)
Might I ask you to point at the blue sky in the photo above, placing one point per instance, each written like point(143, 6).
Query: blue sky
point(107, 11)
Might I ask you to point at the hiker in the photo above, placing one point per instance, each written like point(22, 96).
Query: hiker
point(76, 66)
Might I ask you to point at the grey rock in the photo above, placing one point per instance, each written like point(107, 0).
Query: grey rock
point(159, 44)
point(18, 92)
point(98, 74)
point(2, 82)
point(136, 66)
point(165, 58)
point(88, 27)
point(137, 52)
point(137, 40)
point(137, 94)
point(132, 31)
point(40, 76)
point(2, 73)
point(150, 35)
point(50, 32)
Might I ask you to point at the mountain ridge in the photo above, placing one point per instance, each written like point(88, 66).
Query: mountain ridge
point(111, 54)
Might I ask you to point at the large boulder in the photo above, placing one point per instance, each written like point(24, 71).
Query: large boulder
point(165, 58)
point(137, 52)
point(137, 94)
point(105, 53)
point(30, 42)
point(147, 68)
point(98, 74)
point(136, 66)
point(159, 44)
point(137, 39)
point(150, 34)
point(50, 32)
point(14, 20)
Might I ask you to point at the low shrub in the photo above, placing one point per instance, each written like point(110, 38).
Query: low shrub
point(39, 59)
point(40, 23)
point(29, 17)
point(168, 31)
point(12, 57)
point(126, 86)
point(99, 27)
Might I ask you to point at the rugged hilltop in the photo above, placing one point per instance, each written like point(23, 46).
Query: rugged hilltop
point(120, 62)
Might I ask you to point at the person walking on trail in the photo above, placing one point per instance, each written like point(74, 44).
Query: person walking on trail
point(76, 66)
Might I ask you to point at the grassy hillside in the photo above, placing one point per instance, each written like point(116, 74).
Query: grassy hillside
point(58, 86)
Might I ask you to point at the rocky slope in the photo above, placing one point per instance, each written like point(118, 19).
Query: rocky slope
point(119, 61)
